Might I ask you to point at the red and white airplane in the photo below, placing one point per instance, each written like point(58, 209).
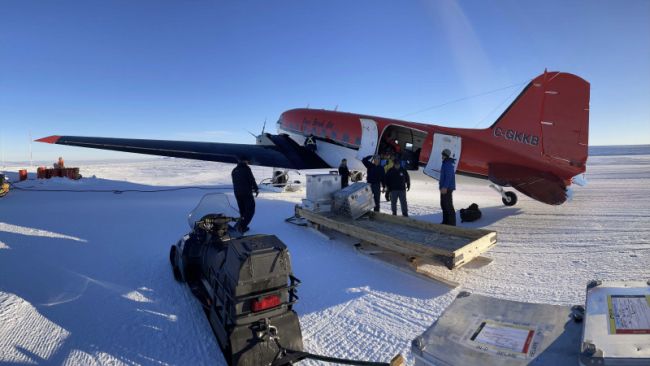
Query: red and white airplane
point(537, 145)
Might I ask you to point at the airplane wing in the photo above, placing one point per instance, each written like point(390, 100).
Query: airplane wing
point(279, 151)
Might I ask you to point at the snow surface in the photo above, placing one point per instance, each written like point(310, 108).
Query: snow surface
point(85, 277)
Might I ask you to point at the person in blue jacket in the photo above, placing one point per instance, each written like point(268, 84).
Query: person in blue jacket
point(375, 177)
point(447, 185)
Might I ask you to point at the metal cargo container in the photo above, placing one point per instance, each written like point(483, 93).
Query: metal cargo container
point(320, 206)
point(354, 200)
point(481, 330)
point(320, 187)
point(617, 324)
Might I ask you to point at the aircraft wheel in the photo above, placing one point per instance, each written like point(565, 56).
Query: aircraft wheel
point(513, 199)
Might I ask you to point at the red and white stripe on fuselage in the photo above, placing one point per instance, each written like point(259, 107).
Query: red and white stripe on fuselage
point(330, 152)
point(340, 134)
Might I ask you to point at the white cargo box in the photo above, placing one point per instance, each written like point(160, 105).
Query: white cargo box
point(481, 330)
point(617, 324)
point(319, 206)
point(320, 187)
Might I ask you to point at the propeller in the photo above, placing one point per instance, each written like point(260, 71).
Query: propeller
point(263, 127)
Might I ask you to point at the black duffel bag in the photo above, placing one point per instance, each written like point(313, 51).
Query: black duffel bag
point(469, 214)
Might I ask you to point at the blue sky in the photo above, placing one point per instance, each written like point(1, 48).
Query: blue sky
point(213, 70)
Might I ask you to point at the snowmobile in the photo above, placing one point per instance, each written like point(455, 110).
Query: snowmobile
point(245, 284)
point(246, 287)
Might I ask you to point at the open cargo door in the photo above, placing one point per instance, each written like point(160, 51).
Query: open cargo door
point(369, 137)
point(441, 142)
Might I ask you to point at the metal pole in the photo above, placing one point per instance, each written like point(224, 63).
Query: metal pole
point(31, 161)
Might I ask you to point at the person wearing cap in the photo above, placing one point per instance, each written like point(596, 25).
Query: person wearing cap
point(447, 185)
point(244, 185)
point(397, 183)
point(375, 177)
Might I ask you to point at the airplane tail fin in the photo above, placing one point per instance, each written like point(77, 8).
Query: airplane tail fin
point(550, 117)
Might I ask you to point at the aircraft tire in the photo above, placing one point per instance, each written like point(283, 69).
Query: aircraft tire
point(513, 199)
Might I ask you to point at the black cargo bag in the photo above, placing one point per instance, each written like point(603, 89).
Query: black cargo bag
point(469, 214)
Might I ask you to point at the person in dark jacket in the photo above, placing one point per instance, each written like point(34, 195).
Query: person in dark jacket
point(397, 183)
point(244, 185)
point(447, 185)
point(344, 172)
point(375, 177)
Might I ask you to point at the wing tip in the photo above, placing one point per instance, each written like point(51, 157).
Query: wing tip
point(49, 139)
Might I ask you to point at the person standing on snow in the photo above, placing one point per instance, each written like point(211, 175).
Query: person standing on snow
point(244, 185)
point(397, 183)
point(375, 177)
point(344, 172)
point(387, 163)
point(447, 185)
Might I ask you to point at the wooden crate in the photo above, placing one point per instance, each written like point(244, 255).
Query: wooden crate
point(452, 245)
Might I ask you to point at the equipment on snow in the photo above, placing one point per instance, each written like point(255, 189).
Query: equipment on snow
point(246, 287)
point(471, 213)
point(245, 284)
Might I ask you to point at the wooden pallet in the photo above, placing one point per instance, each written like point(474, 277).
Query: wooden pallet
point(453, 246)
point(422, 267)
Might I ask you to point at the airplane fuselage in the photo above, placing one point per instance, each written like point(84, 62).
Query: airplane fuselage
point(480, 147)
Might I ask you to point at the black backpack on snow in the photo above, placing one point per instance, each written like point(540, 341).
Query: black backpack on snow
point(469, 214)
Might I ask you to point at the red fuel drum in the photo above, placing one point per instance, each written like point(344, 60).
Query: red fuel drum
point(41, 172)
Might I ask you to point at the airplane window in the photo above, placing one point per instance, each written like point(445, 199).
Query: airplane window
point(346, 137)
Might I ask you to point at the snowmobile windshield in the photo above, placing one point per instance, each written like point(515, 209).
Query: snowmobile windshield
point(213, 203)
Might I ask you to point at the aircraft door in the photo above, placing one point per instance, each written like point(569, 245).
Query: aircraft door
point(441, 142)
point(369, 138)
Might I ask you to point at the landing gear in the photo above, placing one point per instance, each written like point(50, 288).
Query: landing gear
point(280, 177)
point(510, 199)
point(280, 182)
point(356, 176)
point(507, 197)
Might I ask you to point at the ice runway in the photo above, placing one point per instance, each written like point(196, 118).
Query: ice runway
point(85, 279)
